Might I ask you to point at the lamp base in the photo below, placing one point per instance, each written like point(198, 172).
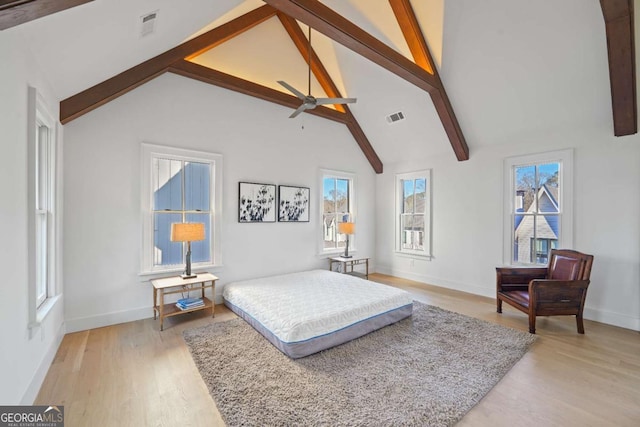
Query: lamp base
point(346, 256)
point(188, 276)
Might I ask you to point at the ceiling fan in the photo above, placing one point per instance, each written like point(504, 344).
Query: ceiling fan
point(309, 102)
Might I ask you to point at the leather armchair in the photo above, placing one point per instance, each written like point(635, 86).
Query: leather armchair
point(558, 289)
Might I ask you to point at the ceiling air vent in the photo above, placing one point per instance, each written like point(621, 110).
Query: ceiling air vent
point(395, 117)
point(148, 23)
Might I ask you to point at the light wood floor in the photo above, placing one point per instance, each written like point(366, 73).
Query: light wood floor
point(134, 375)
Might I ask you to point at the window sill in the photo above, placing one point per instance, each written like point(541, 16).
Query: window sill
point(329, 254)
point(155, 274)
point(414, 255)
point(43, 311)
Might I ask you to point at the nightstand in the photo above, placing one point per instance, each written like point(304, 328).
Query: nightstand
point(174, 285)
point(346, 265)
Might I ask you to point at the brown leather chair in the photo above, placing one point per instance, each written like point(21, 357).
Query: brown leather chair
point(558, 289)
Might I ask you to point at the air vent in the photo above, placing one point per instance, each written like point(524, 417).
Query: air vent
point(148, 23)
point(395, 117)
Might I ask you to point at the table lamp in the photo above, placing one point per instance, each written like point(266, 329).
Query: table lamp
point(346, 228)
point(187, 232)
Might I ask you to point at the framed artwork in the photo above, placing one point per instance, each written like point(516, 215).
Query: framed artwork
point(256, 202)
point(293, 204)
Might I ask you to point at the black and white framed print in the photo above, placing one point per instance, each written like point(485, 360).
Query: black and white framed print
point(256, 202)
point(293, 204)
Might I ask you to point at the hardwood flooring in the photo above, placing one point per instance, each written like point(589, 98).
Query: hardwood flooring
point(134, 375)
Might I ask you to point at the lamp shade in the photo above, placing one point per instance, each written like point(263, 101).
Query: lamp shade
point(346, 227)
point(187, 232)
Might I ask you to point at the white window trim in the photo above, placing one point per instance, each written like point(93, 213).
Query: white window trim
point(148, 152)
point(565, 159)
point(330, 173)
point(426, 253)
point(40, 115)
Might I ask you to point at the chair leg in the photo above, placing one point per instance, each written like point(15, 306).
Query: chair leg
point(579, 323)
point(499, 305)
point(532, 323)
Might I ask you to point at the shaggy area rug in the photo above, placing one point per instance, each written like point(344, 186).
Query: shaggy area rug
point(427, 370)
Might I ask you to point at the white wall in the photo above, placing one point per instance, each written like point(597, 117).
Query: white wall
point(259, 144)
point(468, 213)
point(26, 355)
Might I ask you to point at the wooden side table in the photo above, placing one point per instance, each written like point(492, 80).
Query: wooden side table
point(174, 285)
point(348, 264)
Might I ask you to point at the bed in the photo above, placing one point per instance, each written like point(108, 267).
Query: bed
point(304, 313)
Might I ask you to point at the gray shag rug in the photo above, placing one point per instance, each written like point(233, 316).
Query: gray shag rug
point(426, 370)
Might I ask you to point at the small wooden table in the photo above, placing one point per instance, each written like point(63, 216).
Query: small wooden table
point(348, 264)
point(166, 286)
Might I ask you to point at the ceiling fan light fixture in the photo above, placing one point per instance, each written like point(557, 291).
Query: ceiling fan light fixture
point(309, 102)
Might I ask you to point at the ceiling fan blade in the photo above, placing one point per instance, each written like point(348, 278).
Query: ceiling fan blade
point(298, 111)
point(292, 89)
point(325, 101)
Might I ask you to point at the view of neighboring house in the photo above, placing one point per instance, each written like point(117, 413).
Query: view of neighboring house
point(536, 235)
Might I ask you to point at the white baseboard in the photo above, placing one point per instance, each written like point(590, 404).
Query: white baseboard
point(597, 315)
point(436, 281)
point(108, 319)
point(615, 319)
point(38, 377)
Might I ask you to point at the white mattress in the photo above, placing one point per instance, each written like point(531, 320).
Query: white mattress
point(301, 306)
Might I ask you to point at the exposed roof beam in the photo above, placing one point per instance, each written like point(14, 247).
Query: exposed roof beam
point(18, 12)
point(329, 87)
point(204, 74)
point(420, 50)
point(317, 68)
point(343, 31)
point(619, 22)
point(89, 99)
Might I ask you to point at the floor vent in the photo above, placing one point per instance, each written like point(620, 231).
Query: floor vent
point(395, 117)
point(148, 23)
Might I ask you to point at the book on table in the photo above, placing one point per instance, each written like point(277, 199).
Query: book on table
point(189, 303)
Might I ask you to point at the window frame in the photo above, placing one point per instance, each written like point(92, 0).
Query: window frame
point(351, 179)
point(565, 195)
point(148, 153)
point(43, 286)
point(399, 199)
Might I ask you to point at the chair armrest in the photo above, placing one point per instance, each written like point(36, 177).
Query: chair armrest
point(558, 291)
point(518, 278)
point(544, 284)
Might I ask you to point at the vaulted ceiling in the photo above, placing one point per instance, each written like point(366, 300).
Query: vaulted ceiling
point(388, 53)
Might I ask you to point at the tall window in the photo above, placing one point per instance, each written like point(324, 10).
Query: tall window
point(337, 206)
point(44, 180)
point(42, 202)
point(539, 189)
point(413, 213)
point(183, 186)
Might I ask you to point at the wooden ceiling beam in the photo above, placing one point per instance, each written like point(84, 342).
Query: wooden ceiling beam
point(331, 24)
point(317, 68)
point(90, 99)
point(329, 87)
point(207, 75)
point(619, 22)
point(18, 12)
point(414, 37)
point(343, 31)
point(217, 78)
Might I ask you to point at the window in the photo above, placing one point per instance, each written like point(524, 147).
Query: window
point(42, 202)
point(337, 202)
point(413, 208)
point(180, 186)
point(538, 192)
point(44, 181)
